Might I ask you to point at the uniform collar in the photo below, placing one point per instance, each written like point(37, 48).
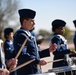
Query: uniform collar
point(27, 31)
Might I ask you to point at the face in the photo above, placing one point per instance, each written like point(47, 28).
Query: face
point(10, 36)
point(28, 24)
point(60, 30)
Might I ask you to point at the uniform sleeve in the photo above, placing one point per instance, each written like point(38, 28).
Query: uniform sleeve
point(44, 53)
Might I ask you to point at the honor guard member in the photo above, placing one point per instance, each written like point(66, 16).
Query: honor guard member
point(30, 50)
point(74, 39)
point(8, 44)
point(58, 38)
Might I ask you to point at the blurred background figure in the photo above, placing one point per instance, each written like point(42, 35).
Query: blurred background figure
point(74, 39)
point(8, 45)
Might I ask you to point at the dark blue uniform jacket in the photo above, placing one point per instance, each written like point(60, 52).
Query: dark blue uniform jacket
point(61, 50)
point(29, 52)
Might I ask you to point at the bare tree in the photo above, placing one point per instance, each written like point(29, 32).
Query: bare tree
point(7, 12)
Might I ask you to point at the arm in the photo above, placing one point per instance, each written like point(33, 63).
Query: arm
point(44, 53)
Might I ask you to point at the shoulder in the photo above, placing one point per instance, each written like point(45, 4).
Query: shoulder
point(6, 42)
point(55, 37)
point(19, 33)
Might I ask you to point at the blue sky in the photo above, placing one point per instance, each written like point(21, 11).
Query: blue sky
point(48, 10)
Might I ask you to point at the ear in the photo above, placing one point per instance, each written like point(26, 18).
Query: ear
point(24, 21)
